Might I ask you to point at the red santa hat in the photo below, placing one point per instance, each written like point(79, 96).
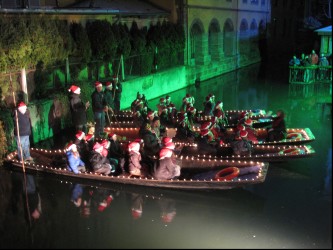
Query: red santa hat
point(243, 133)
point(80, 134)
point(97, 84)
point(166, 140)
point(134, 146)
point(89, 137)
point(115, 77)
point(21, 105)
point(243, 114)
point(151, 114)
point(191, 109)
point(165, 152)
point(248, 122)
point(111, 135)
point(75, 89)
point(240, 127)
point(219, 105)
point(71, 146)
point(169, 145)
point(188, 95)
point(98, 147)
point(105, 143)
point(108, 84)
point(162, 99)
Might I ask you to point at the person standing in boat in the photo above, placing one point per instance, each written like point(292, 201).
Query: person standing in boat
point(99, 106)
point(165, 168)
point(74, 162)
point(118, 89)
point(22, 132)
point(108, 95)
point(277, 131)
point(251, 132)
point(78, 109)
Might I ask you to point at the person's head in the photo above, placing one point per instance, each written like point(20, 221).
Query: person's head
point(280, 113)
point(134, 147)
point(115, 79)
point(98, 147)
point(22, 107)
point(98, 86)
point(156, 121)
point(112, 136)
point(80, 135)
point(75, 89)
point(108, 85)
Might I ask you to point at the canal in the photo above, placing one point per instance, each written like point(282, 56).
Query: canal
point(291, 209)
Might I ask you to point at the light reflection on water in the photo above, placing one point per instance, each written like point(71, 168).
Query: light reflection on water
point(291, 209)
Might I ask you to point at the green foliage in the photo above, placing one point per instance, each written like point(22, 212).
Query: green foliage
point(82, 46)
point(3, 143)
point(102, 40)
point(7, 142)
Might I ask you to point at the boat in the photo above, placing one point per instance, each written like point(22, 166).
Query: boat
point(270, 153)
point(260, 118)
point(295, 136)
point(215, 175)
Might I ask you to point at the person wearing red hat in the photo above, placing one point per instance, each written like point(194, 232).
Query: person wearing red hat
point(208, 106)
point(160, 106)
point(75, 164)
point(99, 106)
point(251, 133)
point(165, 168)
point(277, 131)
point(116, 151)
point(100, 163)
point(22, 132)
point(241, 145)
point(135, 168)
point(184, 130)
point(82, 145)
point(78, 109)
point(118, 89)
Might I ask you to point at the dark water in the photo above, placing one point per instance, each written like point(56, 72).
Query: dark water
point(291, 209)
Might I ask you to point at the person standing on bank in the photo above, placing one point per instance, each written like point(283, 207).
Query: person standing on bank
point(22, 132)
point(78, 109)
point(118, 88)
point(99, 106)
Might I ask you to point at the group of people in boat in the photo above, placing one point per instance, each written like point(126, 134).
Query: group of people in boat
point(151, 154)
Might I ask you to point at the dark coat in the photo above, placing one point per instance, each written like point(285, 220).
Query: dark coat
point(100, 164)
point(24, 123)
point(78, 110)
point(98, 101)
point(151, 146)
point(165, 169)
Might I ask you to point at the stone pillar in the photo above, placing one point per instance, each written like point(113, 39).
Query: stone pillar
point(202, 57)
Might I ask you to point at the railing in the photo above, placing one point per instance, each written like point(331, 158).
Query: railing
point(310, 74)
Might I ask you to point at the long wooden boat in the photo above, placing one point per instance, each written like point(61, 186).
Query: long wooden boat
point(208, 176)
point(260, 118)
point(295, 135)
point(269, 153)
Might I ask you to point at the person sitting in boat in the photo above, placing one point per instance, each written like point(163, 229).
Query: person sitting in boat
point(151, 144)
point(74, 162)
point(160, 106)
point(208, 106)
point(168, 100)
point(277, 131)
point(204, 145)
point(82, 145)
point(218, 110)
point(116, 151)
point(106, 148)
point(165, 118)
point(184, 132)
point(148, 119)
point(221, 122)
point(135, 168)
point(192, 116)
point(243, 117)
point(165, 168)
point(251, 132)
point(184, 105)
point(172, 113)
point(99, 162)
point(241, 145)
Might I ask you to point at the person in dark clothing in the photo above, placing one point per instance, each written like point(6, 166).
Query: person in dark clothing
point(100, 163)
point(204, 146)
point(118, 89)
point(82, 146)
point(99, 106)
point(78, 109)
point(241, 145)
point(208, 106)
point(108, 95)
point(151, 145)
point(116, 151)
point(277, 131)
point(165, 168)
point(22, 132)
